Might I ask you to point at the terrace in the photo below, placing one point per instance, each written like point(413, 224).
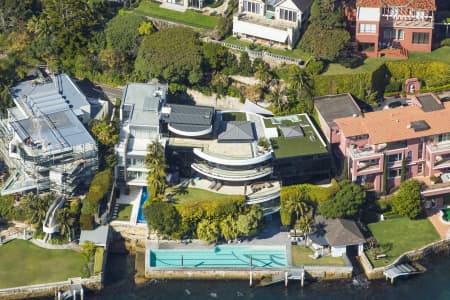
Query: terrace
point(263, 21)
point(232, 175)
point(308, 143)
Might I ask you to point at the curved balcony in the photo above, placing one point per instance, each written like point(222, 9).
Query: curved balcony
point(262, 197)
point(230, 161)
point(191, 133)
point(232, 175)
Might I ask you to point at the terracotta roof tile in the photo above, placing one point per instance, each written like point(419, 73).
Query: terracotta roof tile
point(394, 124)
point(416, 4)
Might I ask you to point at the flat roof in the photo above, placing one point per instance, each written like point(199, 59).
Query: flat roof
point(429, 103)
point(145, 100)
point(284, 147)
point(333, 107)
point(57, 93)
point(394, 124)
point(98, 236)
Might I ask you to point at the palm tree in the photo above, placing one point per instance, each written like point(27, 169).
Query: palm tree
point(262, 73)
point(66, 221)
point(276, 97)
point(36, 207)
point(156, 164)
point(305, 224)
point(298, 81)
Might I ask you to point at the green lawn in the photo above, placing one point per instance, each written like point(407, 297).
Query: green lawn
point(23, 263)
point(124, 212)
point(234, 116)
point(441, 54)
point(183, 195)
point(403, 234)
point(301, 256)
point(294, 53)
point(189, 17)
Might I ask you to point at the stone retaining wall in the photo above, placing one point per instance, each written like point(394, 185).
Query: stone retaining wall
point(413, 255)
point(128, 237)
point(94, 283)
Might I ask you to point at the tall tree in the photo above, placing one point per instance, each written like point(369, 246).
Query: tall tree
point(155, 162)
point(347, 203)
point(408, 201)
point(162, 217)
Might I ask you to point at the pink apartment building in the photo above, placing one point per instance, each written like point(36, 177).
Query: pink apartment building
point(418, 133)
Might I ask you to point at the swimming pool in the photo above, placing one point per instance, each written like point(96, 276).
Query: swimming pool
point(144, 198)
point(221, 257)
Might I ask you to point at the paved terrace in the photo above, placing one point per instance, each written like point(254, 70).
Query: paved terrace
point(256, 19)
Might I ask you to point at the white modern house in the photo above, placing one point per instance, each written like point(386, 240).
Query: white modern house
point(271, 21)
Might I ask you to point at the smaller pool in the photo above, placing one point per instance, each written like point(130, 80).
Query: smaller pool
point(221, 257)
point(144, 198)
point(446, 214)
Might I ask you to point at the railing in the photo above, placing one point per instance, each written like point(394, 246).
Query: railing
point(230, 161)
point(261, 54)
point(238, 175)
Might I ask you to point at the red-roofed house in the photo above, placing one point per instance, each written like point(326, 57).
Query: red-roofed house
point(418, 133)
point(392, 28)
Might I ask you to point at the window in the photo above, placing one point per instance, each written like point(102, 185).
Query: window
point(394, 173)
point(420, 152)
point(409, 156)
point(394, 157)
point(392, 34)
point(288, 15)
point(420, 168)
point(421, 38)
point(369, 47)
point(444, 137)
point(389, 34)
point(368, 28)
point(251, 7)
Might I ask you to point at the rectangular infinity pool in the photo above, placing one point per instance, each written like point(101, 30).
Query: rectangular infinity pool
point(221, 257)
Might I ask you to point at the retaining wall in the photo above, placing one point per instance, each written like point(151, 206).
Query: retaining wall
point(94, 283)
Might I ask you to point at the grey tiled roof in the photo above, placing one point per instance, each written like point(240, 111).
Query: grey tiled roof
point(292, 131)
point(237, 131)
point(339, 232)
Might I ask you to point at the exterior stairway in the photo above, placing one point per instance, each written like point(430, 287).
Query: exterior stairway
point(397, 52)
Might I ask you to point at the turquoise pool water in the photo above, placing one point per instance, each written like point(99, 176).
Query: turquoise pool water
point(221, 257)
point(144, 198)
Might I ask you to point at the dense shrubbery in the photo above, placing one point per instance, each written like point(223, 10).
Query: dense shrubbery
point(100, 186)
point(407, 201)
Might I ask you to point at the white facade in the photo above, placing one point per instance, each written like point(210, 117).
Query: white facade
point(280, 23)
point(368, 14)
point(337, 251)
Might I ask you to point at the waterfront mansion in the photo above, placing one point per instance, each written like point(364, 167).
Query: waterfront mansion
point(229, 152)
point(271, 21)
point(413, 132)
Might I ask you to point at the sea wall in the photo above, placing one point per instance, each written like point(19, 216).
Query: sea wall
point(93, 283)
point(127, 238)
point(413, 255)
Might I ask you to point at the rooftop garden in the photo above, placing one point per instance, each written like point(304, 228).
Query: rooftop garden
point(304, 256)
point(23, 263)
point(234, 116)
point(189, 17)
point(399, 235)
point(294, 146)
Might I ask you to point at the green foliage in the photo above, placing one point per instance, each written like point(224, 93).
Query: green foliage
point(245, 65)
point(347, 202)
point(100, 186)
point(173, 54)
point(403, 170)
point(431, 73)
point(315, 67)
point(122, 33)
point(324, 43)
point(36, 207)
point(104, 132)
point(7, 210)
point(407, 201)
point(208, 231)
point(229, 228)
point(98, 260)
point(155, 161)
point(248, 223)
point(162, 217)
point(86, 222)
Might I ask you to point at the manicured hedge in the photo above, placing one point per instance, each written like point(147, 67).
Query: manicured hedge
point(98, 260)
point(431, 73)
point(100, 186)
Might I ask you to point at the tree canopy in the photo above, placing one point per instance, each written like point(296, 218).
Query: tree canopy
point(162, 217)
point(347, 202)
point(407, 202)
point(122, 33)
point(172, 54)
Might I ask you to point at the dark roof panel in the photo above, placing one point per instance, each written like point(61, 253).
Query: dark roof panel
point(429, 103)
point(333, 107)
point(237, 131)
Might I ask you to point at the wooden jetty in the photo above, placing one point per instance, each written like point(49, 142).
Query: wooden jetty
point(400, 270)
point(291, 275)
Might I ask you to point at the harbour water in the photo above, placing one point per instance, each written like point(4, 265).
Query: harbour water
point(434, 284)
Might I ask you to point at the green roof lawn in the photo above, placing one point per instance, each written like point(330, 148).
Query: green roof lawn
point(23, 263)
point(300, 146)
point(182, 195)
point(302, 256)
point(189, 17)
point(403, 234)
point(234, 116)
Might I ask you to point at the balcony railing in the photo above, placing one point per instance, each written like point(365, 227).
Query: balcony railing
point(439, 147)
point(232, 175)
point(360, 152)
